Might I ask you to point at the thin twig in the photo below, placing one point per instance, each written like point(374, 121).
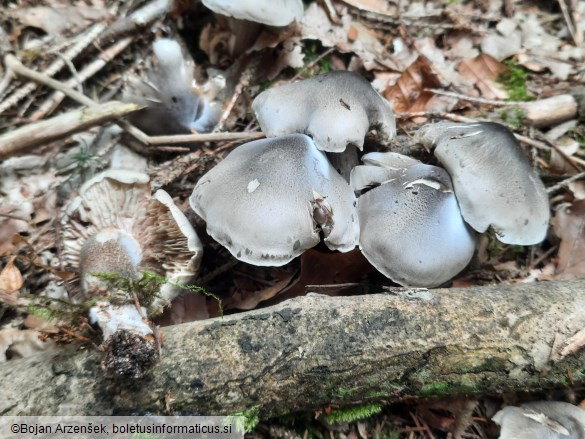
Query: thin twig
point(18, 68)
point(476, 99)
point(568, 21)
point(83, 41)
point(43, 132)
point(87, 72)
point(562, 184)
point(311, 64)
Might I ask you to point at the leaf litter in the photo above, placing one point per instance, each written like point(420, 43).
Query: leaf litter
point(407, 50)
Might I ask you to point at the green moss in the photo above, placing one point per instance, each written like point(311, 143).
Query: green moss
point(514, 81)
point(341, 393)
point(513, 118)
point(433, 389)
point(147, 287)
point(250, 418)
point(351, 414)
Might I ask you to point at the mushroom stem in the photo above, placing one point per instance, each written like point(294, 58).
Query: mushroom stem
point(130, 345)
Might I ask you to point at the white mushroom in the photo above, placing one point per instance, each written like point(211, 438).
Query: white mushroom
point(542, 420)
point(172, 104)
point(270, 12)
point(246, 18)
point(411, 228)
point(335, 108)
point(494, 181)
point(268, 201)
point(115, 227)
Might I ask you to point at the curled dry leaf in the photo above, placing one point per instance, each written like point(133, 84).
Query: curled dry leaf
point(482, 71)
point(408, 94)
point(20, 343)
point(569, 225)
point(10, 282)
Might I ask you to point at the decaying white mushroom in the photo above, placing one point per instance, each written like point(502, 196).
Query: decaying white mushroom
point(268, 201)
point(542, 420)
point(411, 228)
point(494, 181)
point(335, 108)
point(172, 105)
point(116, 227)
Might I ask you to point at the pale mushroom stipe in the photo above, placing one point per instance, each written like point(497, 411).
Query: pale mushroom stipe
point(336, 109)
point(115, 227)
point(172, 106)
point(269, 200)
point(411, 228)
point(494, 181)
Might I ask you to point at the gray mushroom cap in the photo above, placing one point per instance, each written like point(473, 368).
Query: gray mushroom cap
point(335, 108)
point(267, 201)
point(411, 228)
point(494, 181)
point(542, 420)
point(270, 12)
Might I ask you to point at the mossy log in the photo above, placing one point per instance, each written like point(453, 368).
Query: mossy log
point(314, 351)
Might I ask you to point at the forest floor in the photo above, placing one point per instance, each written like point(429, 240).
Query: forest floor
point(519, 63)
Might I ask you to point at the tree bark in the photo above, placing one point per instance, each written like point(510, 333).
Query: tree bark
point(313, 351)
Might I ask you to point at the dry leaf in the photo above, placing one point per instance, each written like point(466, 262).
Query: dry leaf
point(10, 278)
point(315, 25)
point(569, 225)
point(482, 71)
point(328, 268)
point(409, 95)
point(58, 19)
point(20, 343)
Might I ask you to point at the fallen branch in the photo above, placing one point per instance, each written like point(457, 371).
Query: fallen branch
point(18, 68)
point(314, 351)
point(24, 139)
point(540, 113)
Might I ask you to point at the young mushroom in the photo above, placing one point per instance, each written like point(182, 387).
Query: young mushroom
point(172, 106)
point(494, 181)
point(269, 200)
point(336, 109)
point(541, 419)
point(411, 228)
point(116, 230)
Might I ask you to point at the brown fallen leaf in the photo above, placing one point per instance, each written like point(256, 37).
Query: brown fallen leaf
point(10, 282)
point(569, 225)
point(483, 70)
point(408, 94)
point(60, 18)
point(327, 268)
point(453, 415)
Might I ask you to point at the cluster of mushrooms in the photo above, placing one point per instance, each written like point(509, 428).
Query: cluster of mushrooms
point(272, 199)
